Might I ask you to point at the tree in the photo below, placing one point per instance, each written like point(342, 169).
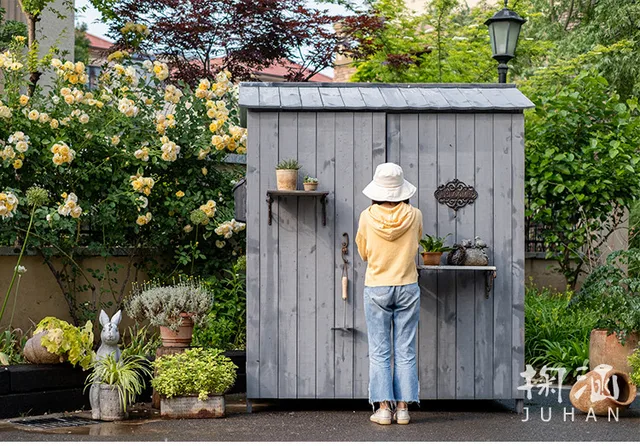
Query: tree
point(10, 29)
point(581, 160)
point(445, 43)
point(81, 44)
point(198, 37)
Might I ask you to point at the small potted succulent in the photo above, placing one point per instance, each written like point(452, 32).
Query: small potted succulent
point(310, 183)
point(432, 249)
point(192, 384)
point(174, 308)
point(287, 174)
point(121, 381)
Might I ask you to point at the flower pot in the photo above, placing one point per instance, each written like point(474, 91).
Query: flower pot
point(310, 186)
point(431, 258)
point(180, 338)
point(110, 403)
point(189, 406)
point(597, 391)
point(287, 179)
point(605, 349)
point(35, 353)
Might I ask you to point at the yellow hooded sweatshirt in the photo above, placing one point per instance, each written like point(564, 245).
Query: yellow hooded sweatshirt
point(388, 240)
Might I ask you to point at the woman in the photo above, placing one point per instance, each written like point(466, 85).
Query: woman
point(387, 239)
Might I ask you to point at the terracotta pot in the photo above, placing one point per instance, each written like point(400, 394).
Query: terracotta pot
point(597, 390)
point(287, 179)
point(310, 186)
point(431, 258)
point(35, 353)
point(180, 338)
point(605, 349)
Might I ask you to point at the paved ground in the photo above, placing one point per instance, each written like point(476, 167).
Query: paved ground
point(348, 421)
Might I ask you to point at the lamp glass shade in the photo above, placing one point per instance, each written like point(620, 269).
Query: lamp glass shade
point(504, 30)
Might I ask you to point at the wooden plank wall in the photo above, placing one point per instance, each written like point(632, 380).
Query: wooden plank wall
point(468, 346)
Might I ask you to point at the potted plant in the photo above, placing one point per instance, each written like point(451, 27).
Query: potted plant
point(192, 384)
point(432, 249)
point(174, 308)
point(310, 183)
point(55, 340)
point(121, 381)
point(287, 174)
point(612, 291)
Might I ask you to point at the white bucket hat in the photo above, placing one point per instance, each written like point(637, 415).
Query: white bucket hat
point(389, 184)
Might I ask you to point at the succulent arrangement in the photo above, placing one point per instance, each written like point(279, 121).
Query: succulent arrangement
point(310, 180)
point(289, 164)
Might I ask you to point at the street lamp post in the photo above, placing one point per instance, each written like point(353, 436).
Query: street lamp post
point(504, 29)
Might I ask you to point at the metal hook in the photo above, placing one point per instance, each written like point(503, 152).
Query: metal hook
point(345, 246)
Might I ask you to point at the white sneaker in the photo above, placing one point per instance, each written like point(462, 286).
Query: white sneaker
point(402, 416)
point(381, 416)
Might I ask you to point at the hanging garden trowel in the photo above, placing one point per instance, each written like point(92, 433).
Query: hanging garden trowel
point(345, 283)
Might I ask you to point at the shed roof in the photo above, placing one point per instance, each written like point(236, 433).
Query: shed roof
point(381, 97)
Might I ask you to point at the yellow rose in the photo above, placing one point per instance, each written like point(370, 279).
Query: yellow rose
point(54, 124)
point(33, 115)
point(204, 171)
point(17, 164)
point(213, 126)
point(69, 99)
point(24, 99)
point(179, 194)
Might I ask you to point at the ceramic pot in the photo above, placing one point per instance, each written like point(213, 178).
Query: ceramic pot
point(35, 353)
point(287, 179)
point(605, 349)
point(431, 258)
point(180, 338)
point(310, 186)
point(110, 403)
point(602, 389)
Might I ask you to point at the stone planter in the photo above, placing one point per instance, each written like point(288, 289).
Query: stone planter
point(180, 338)
point(35, 353)
point(191, 407)
point(110, 404)
point(287, 179)
point(605, 349)
point(431, 258)
point(597, 391)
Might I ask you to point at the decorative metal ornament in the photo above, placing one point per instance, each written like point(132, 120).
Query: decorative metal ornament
point(455, 194)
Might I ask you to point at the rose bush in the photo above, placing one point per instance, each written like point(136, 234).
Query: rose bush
point(134, 164)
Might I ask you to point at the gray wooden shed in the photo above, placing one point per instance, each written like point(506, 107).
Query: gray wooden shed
point(470, 346)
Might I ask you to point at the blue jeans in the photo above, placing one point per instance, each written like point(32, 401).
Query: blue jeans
point(400, 305)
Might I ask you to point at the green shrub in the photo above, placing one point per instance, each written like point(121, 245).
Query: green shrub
point(634, 362)
point(11, 346)
point(555, 334)
point(226, 325)
point(73, 343)
point(194, 372)
point(613, 292)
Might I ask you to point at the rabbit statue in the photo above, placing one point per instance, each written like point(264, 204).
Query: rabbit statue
point(110, 336)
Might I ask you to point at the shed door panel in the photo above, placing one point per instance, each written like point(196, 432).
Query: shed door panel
point(466, 345)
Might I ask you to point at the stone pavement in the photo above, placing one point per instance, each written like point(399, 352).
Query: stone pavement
point(347, 420)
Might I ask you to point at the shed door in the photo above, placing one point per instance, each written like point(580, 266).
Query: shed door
point(468, 346)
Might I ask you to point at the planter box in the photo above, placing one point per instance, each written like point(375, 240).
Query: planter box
point(192, 407)
point(35, 389)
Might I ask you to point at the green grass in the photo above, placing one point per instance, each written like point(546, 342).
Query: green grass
point(554, 335)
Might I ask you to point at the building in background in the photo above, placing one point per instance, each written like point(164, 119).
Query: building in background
point(99, 48)
point(56, 28)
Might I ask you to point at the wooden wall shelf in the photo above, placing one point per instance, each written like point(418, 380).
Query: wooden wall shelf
point(490, 273)
point(271, 194)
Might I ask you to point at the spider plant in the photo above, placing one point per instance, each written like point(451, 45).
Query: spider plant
point(127, 375)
